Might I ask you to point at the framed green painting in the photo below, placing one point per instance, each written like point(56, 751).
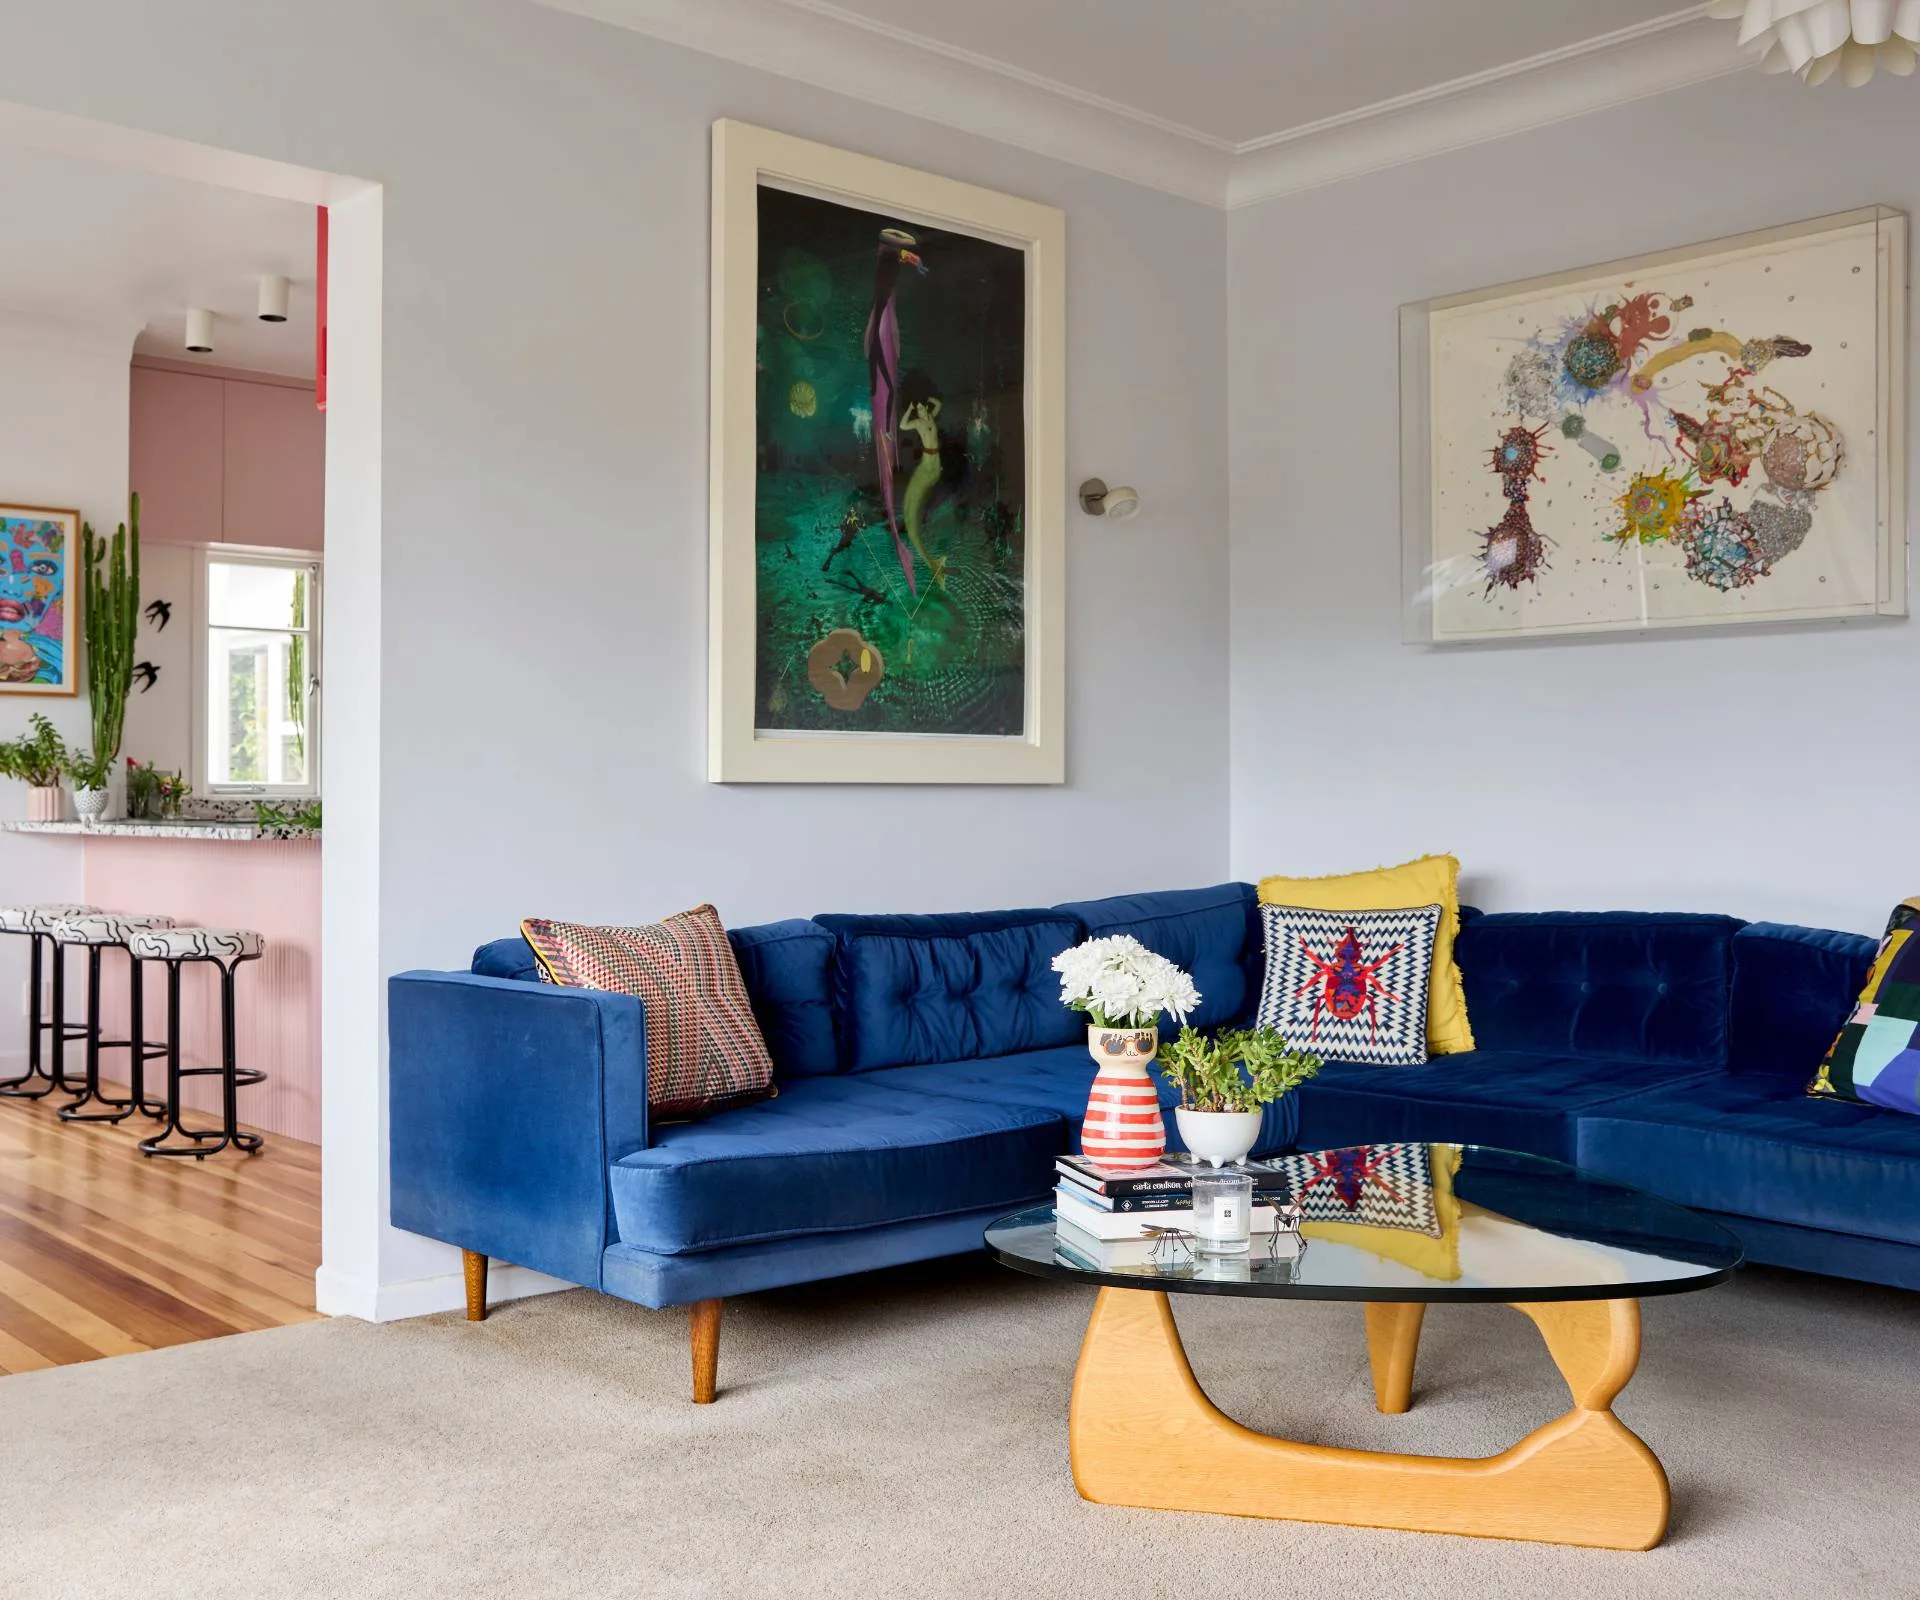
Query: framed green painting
point(888, 491)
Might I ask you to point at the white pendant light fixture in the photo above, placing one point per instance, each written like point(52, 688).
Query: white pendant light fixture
point(273, 298)
point(200, 331)
point(1817, 38)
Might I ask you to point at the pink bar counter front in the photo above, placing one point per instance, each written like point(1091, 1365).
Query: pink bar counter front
point(270, 886)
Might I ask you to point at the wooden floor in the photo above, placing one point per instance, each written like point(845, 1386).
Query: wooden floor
point(104, 1251)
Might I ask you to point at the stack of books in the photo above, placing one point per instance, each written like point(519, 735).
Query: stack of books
point(1111, 1219)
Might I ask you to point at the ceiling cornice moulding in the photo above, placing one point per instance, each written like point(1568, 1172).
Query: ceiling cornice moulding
point(1614, 69)
point(817, 42)
point(823, 46)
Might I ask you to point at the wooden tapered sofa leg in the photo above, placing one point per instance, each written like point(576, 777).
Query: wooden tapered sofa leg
point(474, 1264)
point(703, 1325)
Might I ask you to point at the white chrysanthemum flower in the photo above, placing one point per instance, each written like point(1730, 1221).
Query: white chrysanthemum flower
point(1119, 982)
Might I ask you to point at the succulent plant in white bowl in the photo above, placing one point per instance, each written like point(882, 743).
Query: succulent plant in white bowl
point(1226, 1083)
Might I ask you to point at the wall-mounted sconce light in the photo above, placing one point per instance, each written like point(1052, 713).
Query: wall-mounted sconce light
point(200, 331)
point(273, 298)
point(1097, 500)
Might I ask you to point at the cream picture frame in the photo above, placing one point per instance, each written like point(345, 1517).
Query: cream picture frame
point(746, 161)
point(1702, 437)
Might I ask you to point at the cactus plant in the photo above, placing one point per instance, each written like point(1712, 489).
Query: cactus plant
point(111, 623)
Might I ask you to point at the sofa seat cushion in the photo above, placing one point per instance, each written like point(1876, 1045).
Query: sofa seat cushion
point(829, 1154)
point(1056, 1081)
point(1212, 934)
point(1753, 1146)
point(948, 988)
point(1512, 1099)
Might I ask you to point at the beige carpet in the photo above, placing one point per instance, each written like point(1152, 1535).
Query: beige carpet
point(904, 1435)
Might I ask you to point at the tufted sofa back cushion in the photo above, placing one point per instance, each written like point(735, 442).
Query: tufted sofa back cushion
point(1792, 989)
point(1634, 986)
point(1213, 933)
point(913, 990)
point(787, 967)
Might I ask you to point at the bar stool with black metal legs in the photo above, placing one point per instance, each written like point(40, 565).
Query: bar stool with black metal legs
point(99, 932)
point(226, 948)
point(36, 923)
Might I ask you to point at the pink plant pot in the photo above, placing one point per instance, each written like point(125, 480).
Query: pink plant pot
point(47, 805)
point(1123, 1130)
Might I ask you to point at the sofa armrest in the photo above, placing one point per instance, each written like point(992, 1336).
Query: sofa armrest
point(507, 1103)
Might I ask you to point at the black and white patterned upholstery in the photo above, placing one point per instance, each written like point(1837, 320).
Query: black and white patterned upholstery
point(104, 927)
point(195, 944)
point(39, 918)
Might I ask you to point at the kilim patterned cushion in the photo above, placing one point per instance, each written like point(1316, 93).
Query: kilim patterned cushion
point(704, 1050)
point(1876, 1058)
point(1350, 985)
point(1375, 1185)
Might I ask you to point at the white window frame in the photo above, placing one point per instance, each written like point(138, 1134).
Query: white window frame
point(310, 562)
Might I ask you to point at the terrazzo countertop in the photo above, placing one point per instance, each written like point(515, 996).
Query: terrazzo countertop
point(212, 830)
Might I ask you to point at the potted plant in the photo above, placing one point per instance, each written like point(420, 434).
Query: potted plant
point(110, 575)
point(153, 794)
point(1226, 1083)
point(36, 759)
point(1122, 986)
point(89, 773)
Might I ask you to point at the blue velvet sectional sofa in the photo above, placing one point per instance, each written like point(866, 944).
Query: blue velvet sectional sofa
point(928, 1076)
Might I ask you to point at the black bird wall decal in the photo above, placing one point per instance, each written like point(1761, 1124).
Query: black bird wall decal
point(146, 674)
point(159, 613)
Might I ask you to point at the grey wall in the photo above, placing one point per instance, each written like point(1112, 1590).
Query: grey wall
point(544, 560)
point(1770, 775)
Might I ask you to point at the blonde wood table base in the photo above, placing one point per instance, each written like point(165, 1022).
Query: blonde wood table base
point(1144, 1434)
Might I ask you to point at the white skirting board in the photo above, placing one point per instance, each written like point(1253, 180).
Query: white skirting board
point(338, 1295)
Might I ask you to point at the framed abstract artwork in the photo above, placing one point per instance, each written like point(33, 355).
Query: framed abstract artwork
point(39, 607)
point(1706, 436)
point(887, 484)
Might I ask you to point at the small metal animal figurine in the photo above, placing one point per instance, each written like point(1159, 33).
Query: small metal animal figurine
point(146, 674)
point(159, 613)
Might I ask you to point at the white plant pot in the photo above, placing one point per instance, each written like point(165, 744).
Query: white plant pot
point(90, 805)
point(1218, 1138)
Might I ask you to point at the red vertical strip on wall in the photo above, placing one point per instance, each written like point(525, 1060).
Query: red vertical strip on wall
point(320, 313)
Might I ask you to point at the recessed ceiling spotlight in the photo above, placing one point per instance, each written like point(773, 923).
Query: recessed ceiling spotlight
point(273, 298)
point(200, 331)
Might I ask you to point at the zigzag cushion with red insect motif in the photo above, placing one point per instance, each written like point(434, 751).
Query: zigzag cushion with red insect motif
point(1376, 1185)
point(1350, 985)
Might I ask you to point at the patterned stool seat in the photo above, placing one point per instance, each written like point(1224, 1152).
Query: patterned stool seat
point(104, 927)
point(195, 944)
point(39, 918)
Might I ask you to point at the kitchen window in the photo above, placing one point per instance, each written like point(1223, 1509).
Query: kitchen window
point(256, 709)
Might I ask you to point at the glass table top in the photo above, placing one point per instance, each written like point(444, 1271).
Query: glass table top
point(1431, 1222)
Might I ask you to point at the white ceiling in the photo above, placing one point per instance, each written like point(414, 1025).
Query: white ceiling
point(1228, 102)
point(1237, 71)
point(112, 248)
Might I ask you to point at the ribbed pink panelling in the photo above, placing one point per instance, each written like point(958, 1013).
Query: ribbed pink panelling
point(272, 888)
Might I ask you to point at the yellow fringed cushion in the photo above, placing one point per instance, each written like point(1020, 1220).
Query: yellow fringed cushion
point(1432, 880)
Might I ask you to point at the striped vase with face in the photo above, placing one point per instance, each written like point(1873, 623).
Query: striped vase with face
point(1123, 1129)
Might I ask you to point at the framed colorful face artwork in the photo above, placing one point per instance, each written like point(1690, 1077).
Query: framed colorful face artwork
point(39, 610)
point(888, 493)
point(1707, 436)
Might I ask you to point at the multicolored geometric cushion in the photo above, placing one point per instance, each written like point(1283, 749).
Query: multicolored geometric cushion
point(1430, 880)
point(1350, 985)
point(1876, 1058)
point(704, 1049)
